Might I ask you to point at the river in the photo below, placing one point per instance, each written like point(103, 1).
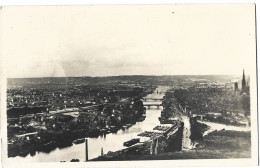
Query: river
point(186, 141)
point(110, 142)
point(217, 127)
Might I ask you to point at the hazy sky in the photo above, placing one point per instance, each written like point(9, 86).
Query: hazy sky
point(127, 40)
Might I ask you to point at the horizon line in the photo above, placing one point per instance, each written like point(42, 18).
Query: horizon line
point(118, 76)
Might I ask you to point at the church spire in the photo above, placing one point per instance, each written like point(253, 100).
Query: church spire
point(243, 82)
point(243, 74)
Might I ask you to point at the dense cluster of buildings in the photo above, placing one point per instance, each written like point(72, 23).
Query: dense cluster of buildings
point(56, 99)
point(40, 117)
point(213, 101)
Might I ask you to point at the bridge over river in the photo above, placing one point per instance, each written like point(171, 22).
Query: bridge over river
point(154, 100)
point(152, 104)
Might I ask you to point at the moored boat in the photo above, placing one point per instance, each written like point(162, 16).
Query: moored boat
point(78, 141)
point(131, 142)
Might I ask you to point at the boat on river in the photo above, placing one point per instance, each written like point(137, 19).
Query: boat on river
point(78, 141)
point(127, 126)
point(131, 142)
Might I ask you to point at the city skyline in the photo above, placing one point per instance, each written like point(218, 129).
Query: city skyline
point(128, 40)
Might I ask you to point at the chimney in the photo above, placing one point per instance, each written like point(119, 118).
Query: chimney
point(86, 142)
point(102, 152)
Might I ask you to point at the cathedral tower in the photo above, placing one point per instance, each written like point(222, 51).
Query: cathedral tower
point(243, 82)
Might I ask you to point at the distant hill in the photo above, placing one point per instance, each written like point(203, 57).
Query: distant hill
point(164, 80)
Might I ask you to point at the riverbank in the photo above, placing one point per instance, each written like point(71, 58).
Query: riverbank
point(221, 144)
point(163, 138)
point(51, 140)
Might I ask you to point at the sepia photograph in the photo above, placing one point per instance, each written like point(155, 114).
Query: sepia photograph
point(155, 85)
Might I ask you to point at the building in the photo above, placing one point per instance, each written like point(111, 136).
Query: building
point(236, 87)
